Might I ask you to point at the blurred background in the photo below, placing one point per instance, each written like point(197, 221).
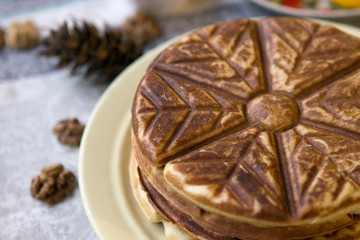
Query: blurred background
point(174, 17)
point(56, 59)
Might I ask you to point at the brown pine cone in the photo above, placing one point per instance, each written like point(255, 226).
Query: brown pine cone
point(107, 52)
point(69, 131)
point(53, 184)
point(2, 38)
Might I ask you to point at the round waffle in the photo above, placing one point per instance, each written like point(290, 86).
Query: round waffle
point(180, 226)
point(256, 121)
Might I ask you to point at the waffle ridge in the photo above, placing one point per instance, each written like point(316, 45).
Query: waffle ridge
point(189, 114)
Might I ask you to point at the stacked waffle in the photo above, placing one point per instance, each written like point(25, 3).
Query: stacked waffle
point(251, 130)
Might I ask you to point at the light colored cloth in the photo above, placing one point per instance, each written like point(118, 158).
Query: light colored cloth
point(34, 96)
point(28, 110)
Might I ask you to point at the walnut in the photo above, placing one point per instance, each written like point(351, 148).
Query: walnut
point(140, 28)
point(22, 35)
point(2, 40)
point(69, 131)
point(53, 184)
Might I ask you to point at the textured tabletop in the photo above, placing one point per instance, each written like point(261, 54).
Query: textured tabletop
point(34, 96)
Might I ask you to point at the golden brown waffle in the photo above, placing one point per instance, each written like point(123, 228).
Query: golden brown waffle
point(158, 209)
point(256, 122)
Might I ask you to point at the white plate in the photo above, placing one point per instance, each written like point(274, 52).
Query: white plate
point(343, 13)
point(104, 159)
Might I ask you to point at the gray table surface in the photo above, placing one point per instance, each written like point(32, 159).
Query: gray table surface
point(33, 97)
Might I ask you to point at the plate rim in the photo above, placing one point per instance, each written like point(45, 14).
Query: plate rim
point(104, 100)
point(88, 132)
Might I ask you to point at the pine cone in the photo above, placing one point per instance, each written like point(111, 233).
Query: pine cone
point(69, 131)
point(141, 28)
point(53, 184)
point(2, 39)
point(83, 46)
point(22, 35)
point(109, 53)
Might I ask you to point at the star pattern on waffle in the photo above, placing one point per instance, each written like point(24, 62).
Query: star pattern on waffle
point(189, 116)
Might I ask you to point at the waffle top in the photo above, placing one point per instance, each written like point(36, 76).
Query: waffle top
point(258, 121)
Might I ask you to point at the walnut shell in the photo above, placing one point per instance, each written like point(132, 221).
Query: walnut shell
point(53, 184)
point(22, 35)
point(2, 38)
